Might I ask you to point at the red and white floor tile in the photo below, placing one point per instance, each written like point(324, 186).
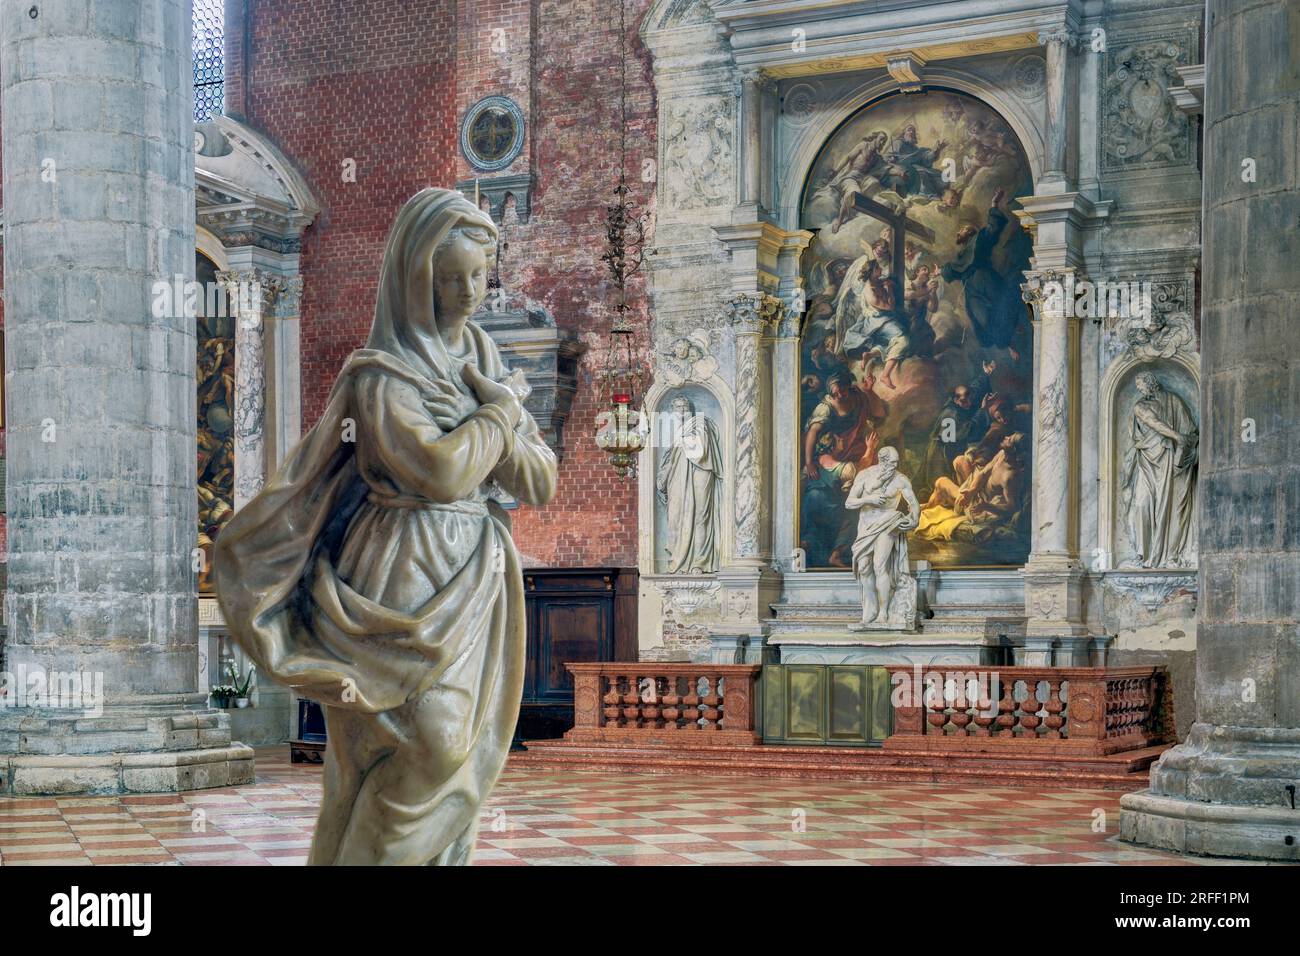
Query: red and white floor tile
point(602, 819)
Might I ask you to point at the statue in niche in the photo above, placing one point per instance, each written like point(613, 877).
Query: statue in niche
point(880, 550)
point(1159, 477)
point(375, 572)
point(689, 483)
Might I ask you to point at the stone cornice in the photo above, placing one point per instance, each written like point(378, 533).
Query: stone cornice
point(842, 35)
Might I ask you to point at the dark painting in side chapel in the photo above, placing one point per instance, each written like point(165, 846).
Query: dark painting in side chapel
point(927, 349)
point(215, 372)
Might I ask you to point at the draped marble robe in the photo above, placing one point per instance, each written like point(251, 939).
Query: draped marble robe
point(690, 479)
point(375, 574)
point(1159, 479)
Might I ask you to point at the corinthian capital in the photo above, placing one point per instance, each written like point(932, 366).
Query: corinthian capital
point(754, 312)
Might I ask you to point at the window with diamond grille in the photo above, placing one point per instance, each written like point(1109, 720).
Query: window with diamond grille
point(209, 58)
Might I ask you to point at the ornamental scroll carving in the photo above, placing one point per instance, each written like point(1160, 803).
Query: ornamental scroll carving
point(1141, 125)
point(751, 316)
point(698, 154)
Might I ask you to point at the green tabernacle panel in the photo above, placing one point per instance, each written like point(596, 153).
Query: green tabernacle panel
point(838, 704)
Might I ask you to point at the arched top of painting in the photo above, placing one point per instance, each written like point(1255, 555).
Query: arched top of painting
point(976, 139)
point(916, 335)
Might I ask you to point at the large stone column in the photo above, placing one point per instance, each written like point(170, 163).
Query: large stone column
point(99, 208)
point(1225, 790)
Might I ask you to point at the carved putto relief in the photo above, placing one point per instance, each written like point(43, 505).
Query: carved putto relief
point(697, 154)
point(1164, 330)
point(687, 358)
point(1141, 126)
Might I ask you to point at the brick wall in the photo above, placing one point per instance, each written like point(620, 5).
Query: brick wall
point(555, 257)
point(337, 81)
point(386, 84)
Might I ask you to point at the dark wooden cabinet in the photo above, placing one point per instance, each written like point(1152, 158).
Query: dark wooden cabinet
point(574, 615)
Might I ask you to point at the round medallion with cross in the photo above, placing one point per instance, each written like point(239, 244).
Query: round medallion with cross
point(492, 134)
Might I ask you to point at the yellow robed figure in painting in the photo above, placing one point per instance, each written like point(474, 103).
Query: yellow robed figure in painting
point(375, 572)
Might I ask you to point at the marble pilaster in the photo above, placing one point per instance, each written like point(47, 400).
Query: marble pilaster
point(1058, 42)
point(252, 296)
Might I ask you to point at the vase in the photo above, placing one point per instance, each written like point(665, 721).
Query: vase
point(241, 702)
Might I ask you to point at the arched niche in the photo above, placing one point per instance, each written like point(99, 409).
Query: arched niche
point(710, 397)
point(1178, 374)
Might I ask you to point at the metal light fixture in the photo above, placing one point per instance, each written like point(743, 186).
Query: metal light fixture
point(620, 424)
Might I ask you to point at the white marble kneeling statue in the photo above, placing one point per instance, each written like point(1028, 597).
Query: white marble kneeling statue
point(880, 549)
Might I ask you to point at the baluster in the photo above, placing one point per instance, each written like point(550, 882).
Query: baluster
point(632, 702)
point(1113, 704)
point(1029, 709)
point(691, 704)
point(936, 708)
point(611, 699)
point(960, 706)
point(984, 713)
point(1054, 707)
point(650, 708)
point(710, 703)
point(671, 699)
point(1007, 709)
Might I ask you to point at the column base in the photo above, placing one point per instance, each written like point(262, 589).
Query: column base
point(739, 645)
point(1222, 793)
point(1054, 597)
point(126, 749)
point(1037, 651)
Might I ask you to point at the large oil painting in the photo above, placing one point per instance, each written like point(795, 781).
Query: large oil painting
point(916, 334)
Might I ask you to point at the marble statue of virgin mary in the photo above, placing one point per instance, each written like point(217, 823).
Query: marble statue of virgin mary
point(375, 572)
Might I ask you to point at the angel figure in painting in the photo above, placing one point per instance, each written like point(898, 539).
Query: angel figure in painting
point(375, 572)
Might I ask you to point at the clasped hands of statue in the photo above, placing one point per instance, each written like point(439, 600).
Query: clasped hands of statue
point(449, 406)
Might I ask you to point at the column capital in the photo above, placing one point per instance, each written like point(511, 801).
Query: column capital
point(1058, 34)
point(754, 313)
point(254, 293)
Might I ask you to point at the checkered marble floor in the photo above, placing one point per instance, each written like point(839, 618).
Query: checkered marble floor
point(600, 819)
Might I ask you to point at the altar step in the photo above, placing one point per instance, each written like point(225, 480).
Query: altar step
point(1121, 771)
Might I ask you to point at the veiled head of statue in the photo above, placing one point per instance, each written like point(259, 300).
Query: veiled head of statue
point(435, 269)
